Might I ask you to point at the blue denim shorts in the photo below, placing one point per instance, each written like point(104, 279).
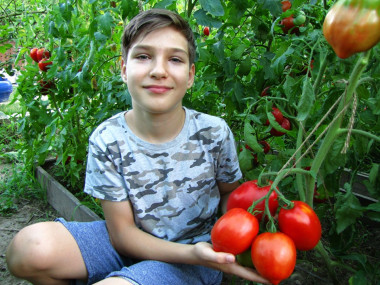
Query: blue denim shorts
point(103, 261)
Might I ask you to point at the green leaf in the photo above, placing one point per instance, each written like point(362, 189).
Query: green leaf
point(373, 183)
point(250, 138)
point(204, 19)
point(163, 4)
point(347, 210)
point(129, 8)
point(273, 6)
point(245, 160)
point(214, 7)
point(306, 101)
point(335, 158)
point(219, 50)
point(279, 64)
point(374, 105)
point(374, 216)
point(360, 278)
point(66, 10)
point(238, 92)
point(265, 61)
point(238, 52)
point(374, 207)
point(105, 23)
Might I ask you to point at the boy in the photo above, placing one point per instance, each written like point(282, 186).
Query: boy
point(160, 171)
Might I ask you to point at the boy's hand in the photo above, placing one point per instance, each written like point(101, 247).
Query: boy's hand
point(225, 262)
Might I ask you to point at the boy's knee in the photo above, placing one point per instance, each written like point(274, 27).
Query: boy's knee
point(28, 252)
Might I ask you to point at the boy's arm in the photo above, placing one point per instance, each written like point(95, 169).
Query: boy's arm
point(225, 190)
point(130, 241)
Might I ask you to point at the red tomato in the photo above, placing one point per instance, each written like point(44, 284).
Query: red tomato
point(249, 191)
point(46, 86)
point(42, 53)
point(265, 92)
point(44, 64)
point(234, 231)
point(265, 145)
point(287, 24)
point(286, 5)
point(277, 115)
point(301, 224)
point(274, 256)
point(206, 31)
point(285, 125)
point(33, 54)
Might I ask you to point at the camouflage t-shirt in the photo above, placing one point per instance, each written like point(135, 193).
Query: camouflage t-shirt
point(172, 186)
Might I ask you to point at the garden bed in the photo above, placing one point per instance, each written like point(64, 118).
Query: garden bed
point(309, 269)
point(63, 200)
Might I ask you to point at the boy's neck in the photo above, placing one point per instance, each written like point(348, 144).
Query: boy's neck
point(156, 128)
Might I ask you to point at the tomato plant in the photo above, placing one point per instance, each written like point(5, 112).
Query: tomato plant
point(301, 224)
point(274, 256)
point(234, 231)
point(317, 92)
point(249, 192)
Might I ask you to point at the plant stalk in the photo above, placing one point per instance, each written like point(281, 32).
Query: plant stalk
point(327, 143)
point(333, 131)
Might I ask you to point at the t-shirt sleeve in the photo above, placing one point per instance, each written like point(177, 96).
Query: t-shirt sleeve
point(103, 180)
point(228, 164)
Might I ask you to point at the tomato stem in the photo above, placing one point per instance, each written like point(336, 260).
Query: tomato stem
point(359, 132)
point(322, 251)
point(321, 72)
point(299, 184)
point(334, 128)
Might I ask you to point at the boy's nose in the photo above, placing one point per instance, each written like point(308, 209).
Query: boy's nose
point(158, 69)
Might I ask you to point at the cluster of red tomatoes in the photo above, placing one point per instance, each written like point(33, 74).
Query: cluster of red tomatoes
point(272, 254)
point(293, 22)
point(41, 56)
point(278, 116)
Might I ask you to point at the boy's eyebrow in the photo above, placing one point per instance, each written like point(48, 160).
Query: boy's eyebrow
point(148, 47)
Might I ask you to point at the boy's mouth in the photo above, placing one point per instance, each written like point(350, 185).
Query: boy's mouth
point(158, 89)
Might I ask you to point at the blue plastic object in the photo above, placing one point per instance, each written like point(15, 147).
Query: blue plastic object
point(5, 89)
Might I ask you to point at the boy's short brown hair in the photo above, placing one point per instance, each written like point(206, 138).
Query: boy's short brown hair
point(154, 19)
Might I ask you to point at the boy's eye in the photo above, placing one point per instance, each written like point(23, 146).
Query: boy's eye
point(176, 59)
point(142, 56)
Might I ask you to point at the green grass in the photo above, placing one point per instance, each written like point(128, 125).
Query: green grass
point(16, 184)
point(9, 108)
point(10, 140)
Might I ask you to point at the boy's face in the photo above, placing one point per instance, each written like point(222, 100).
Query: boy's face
point(157, 71)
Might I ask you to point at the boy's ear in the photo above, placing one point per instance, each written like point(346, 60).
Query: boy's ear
point(123, 71)
point(191, 76)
